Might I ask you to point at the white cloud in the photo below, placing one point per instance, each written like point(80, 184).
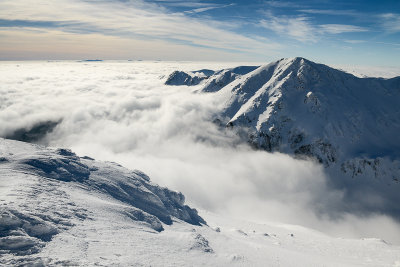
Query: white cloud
point(334, 12)
point(56, 44)
point(298, 28)
point(340, 28)
point(355, 41)
point(390, 22)
point(302, 29)
point(207, 8)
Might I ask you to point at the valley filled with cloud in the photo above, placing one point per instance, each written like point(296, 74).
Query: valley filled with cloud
point(123, 112)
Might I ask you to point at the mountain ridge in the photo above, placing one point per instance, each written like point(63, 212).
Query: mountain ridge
point(310, 110)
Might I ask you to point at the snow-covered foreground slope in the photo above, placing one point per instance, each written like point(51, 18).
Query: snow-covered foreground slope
point(61, 209)
point(36, 184)
point(350, 125)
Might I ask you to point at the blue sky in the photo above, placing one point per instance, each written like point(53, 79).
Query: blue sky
point(334, 32)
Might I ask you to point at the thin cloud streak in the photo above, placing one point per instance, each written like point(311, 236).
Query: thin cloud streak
point(332, 12)
point(189, 4)
point(204, 9)
point(354, 41)
point(340, 28)
point(390, 22)
point(298, 28)
point(302, 29)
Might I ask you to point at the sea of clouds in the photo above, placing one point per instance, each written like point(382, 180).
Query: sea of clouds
point(122, 112)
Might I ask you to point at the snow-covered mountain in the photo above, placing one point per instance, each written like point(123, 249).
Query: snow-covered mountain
point(349, 124)
point(59, 209)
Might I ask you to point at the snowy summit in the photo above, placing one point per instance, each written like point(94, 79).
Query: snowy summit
point(348, 124)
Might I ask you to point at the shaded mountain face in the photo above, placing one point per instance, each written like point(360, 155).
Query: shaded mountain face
point(34, 133)
point(350, 125)
point(46, 178)
point(191, 78)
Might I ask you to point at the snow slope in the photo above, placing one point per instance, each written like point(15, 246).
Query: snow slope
point(61, 209)
point(41, 175)
point(349, 124)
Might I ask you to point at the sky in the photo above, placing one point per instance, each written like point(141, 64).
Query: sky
point(332, 32)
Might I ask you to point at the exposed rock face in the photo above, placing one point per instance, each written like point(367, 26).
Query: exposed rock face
point(214, 80)
point(224, 77)
point(299, 107)
point(33, 133)
point(190, 78)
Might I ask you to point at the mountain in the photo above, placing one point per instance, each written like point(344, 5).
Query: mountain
point(191, 78)
point(348, 124)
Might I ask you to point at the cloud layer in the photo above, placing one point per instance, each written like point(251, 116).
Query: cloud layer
point(121, 111)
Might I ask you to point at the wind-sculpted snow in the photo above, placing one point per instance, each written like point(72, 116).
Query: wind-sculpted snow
point(47, 210)
point(135, 189)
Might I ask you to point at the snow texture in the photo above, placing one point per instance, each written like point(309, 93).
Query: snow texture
point(47, 210)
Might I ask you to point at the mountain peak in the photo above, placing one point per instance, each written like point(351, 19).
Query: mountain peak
point(297, 61)
point(306, 109)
